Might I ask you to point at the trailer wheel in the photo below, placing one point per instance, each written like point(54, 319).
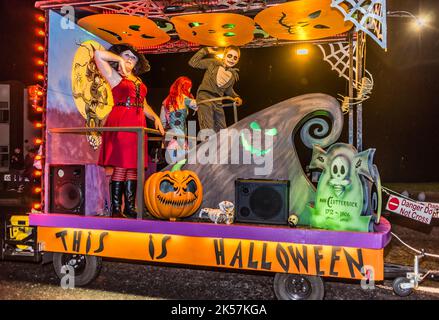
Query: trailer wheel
point(298, 287)
point(402, 292)
point(86, 268)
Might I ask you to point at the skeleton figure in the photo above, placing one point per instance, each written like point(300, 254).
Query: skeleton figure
point(339, 175)
point(225, 213)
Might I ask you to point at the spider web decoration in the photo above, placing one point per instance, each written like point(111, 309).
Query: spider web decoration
point(338, 57)
point(368, 16)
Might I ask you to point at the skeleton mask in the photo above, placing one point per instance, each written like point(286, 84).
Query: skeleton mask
point(339, 175)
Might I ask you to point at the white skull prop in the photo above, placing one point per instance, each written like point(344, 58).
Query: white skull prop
point(339, 175)
point(293, 220)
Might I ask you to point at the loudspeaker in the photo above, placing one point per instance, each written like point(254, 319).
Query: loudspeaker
point(67, 189)
point(262, 201)
point(78, 189)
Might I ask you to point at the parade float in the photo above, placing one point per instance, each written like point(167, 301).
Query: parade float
point(276, 220)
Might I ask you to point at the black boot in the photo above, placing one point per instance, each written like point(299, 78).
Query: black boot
point(116, 192)
point(130, 199)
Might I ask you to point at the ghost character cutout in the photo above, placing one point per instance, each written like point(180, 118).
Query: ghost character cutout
point(340, 196)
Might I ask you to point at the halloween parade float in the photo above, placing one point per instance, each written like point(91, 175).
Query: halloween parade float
point(234, 197)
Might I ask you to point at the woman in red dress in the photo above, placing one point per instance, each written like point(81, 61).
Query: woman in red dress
point(120, 66)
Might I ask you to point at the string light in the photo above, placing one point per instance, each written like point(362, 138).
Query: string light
point(37, 190)
point(37, 100)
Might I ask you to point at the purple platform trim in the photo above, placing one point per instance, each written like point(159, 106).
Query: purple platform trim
point(375, 240)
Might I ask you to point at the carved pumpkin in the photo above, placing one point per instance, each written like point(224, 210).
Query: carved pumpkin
point(172, 195)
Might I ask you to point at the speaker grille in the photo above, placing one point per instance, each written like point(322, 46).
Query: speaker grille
point(69, 196)
point(265, 202)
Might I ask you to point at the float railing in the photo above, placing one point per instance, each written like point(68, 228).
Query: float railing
point(140, 131)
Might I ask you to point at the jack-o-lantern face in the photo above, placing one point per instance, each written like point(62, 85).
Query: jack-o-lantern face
point(215, 29)
point(302, 20)
point(172, 195)
point(121, 28)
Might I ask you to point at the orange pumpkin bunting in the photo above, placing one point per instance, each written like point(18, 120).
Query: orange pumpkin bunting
point(172, 195)
point(215, 29)
point(122, 28)
point(302, 20)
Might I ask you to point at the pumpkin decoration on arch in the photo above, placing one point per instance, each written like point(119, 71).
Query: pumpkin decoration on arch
point(122, 28)
point(303, 20)
point(173, 194)
point(217, 29)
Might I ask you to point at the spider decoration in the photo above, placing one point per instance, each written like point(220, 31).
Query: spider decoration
point(364, 91)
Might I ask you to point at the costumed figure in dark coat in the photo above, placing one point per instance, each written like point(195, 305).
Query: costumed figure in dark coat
point(218, 81)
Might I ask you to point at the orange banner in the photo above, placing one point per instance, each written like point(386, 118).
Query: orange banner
point(327, 261)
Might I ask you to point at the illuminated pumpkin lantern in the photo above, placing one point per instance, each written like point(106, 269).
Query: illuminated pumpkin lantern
point(173, 194)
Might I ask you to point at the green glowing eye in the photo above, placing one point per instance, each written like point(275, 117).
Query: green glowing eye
point(255, 126)
point(271, 132)
point(194, 24)
point(250, 148)
point(228, 26)
point(229, 34)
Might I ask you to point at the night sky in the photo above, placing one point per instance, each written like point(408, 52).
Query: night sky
point(400, 120)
